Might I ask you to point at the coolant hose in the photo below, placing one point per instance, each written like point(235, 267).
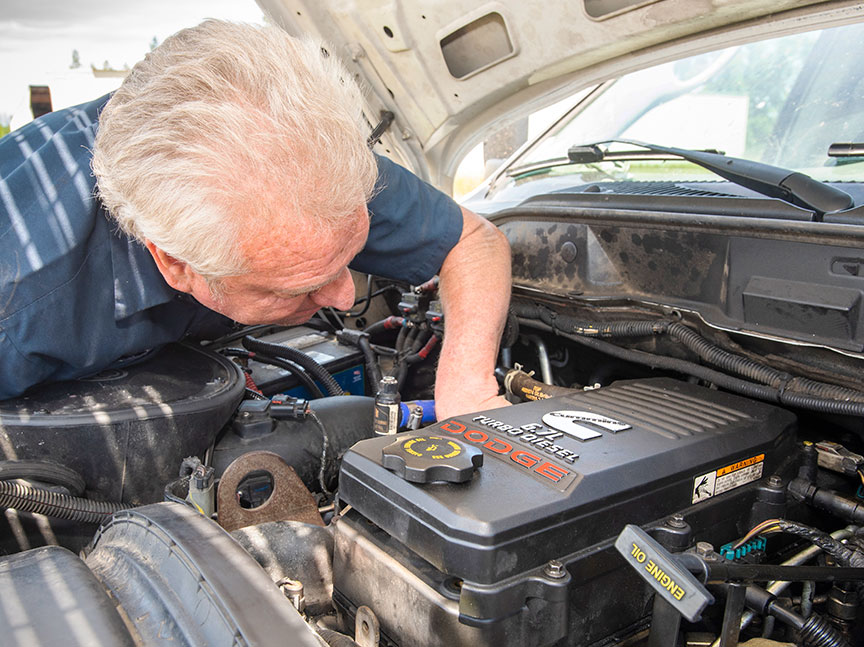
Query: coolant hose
point(53, 504)
point(298, 357)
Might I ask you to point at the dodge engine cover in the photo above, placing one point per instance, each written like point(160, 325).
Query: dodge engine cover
point(566, 473)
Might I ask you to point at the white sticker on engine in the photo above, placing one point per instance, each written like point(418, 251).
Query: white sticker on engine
point(727, 478)
point(570, 422)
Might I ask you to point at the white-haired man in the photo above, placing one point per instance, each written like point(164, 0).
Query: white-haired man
point(233, 159)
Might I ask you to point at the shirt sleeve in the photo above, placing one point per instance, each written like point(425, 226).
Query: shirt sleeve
point(413, 226)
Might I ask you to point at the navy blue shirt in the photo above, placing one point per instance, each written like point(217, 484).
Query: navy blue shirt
point(77, 295)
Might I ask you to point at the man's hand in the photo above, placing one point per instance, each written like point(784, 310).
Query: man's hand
point(475, 292)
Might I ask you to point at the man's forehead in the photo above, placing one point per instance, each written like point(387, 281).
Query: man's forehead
point(307, 251)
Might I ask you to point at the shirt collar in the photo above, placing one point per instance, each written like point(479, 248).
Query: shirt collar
point(138, 285)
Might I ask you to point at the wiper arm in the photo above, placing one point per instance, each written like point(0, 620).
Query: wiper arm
point(772, 181)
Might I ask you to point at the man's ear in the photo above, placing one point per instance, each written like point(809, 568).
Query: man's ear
point(176, 273)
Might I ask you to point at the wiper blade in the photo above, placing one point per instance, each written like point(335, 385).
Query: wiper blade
point(772, 181)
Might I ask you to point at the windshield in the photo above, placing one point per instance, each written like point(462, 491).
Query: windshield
point(782, 101)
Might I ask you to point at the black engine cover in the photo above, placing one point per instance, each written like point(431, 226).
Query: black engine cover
point(563, 486)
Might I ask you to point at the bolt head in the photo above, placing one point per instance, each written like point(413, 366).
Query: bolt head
point(775, 481)
point(555, 569)
point(704, 549)
point(676, 521)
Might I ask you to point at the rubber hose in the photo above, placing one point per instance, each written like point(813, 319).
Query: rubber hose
point(737, 385)
point(759, 391)
point(420, 341)
point(44, 471)
point(409, 360)
point(373, 370)
point(297, 371)
point(792, 391)
point(519, 384)
point(390, 323)
point(54, 504)
point(298, 357)
point(725, 360)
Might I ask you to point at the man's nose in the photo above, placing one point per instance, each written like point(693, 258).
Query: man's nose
point(338, 294)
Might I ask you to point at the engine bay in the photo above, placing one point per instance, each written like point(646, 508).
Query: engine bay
point(709, 416)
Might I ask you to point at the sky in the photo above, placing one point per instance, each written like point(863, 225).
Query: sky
point(37, 39)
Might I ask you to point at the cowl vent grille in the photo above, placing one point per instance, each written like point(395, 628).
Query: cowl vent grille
point(667, 413)
point(651, 188)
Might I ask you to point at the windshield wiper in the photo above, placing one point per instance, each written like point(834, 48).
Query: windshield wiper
point(772, 181)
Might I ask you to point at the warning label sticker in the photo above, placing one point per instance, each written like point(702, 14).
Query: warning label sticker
point(727, 478)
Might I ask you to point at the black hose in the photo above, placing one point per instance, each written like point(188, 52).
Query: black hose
point(828, 500)
point(53, 504)
point(299, 357)
point(420, 340)
point(44, 471)
point(725, 360)
point(400, 338)
point(409, 360)
point(792, 391)
point(373, 370)
point(737, 385)
point(390, 323)
point(297, 371)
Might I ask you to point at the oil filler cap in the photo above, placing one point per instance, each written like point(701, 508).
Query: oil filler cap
point(421, 458)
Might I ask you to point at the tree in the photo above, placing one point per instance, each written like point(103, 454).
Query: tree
point(154, 43)
point(76, 60)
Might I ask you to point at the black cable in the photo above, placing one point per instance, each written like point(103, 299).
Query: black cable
point(299, 357)
point(332, 311)
point(53, 504)
point(325, 443)
point(44, 471)
point(246, 330)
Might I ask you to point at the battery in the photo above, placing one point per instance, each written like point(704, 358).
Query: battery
point(344, 363)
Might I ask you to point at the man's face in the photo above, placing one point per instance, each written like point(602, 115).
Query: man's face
point(293, 273)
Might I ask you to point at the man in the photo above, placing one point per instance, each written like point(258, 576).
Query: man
point(233, 159)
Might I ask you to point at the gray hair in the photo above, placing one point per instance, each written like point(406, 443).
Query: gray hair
point(226, 130)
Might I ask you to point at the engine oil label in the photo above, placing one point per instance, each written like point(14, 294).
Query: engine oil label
point(727, 478)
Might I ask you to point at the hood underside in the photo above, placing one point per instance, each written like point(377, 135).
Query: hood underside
point(451, 70)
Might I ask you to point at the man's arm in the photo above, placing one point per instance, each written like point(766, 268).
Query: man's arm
point(475, 292)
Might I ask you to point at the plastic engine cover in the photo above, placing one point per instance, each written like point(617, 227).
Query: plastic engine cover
point(564, 474)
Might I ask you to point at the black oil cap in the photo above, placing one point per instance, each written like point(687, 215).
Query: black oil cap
point(421, 458)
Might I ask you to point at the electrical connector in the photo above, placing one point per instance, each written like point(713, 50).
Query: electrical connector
point(731, 553)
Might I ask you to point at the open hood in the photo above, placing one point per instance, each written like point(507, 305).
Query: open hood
point(451, 70)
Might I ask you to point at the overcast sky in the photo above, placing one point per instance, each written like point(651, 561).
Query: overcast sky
point(37, 38)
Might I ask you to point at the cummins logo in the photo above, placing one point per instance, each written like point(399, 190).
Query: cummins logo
point(571, 423)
